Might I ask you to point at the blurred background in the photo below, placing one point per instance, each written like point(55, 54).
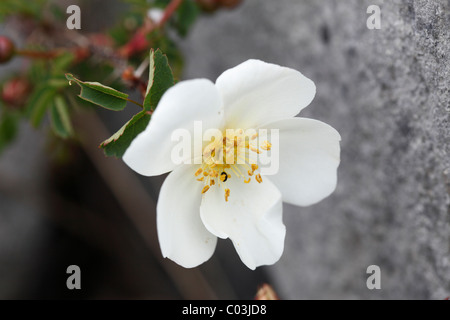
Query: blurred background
point(62, 202)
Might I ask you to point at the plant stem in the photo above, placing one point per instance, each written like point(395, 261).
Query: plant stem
point(169, 11)
point(135, 102)
point(38, 54)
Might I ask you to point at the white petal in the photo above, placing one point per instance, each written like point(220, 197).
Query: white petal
point(256, 92)
point(195, 100)
point(182, 236)
point(309, 155)
point(252, 219)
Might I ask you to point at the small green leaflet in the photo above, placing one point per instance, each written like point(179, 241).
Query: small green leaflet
point(187, 13)
point(38, 103)
point(118, 143)
point(60, 117)
point(160, 79)
point(100, 94)
point(8, 129)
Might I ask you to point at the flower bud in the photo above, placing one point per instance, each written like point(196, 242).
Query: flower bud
point(15, 92)
point(6, 49)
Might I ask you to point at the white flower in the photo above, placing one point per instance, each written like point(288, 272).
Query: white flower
point(191, 214)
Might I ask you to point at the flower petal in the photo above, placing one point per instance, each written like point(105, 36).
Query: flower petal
point(195, 100)
point(309, 154)
point(256, 92)
point(182, 236)
point(252, 219)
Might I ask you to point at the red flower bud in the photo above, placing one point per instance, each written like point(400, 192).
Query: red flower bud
point(6, 49)
point(15, 92)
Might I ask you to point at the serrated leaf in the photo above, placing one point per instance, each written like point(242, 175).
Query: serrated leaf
point(118, 143)
point(100, 94)
point(60, 118)
point(186, 15)
point(160, 79)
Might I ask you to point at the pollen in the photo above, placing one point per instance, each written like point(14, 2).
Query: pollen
point(223, 176)
point(266, 145)
point(205, 188)
point(213, 174)
point(198, 172)
point(255, 149)
point(231, 157)
point(227, 194)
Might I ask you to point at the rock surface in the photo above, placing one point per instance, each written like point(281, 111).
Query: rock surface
point(386, 91)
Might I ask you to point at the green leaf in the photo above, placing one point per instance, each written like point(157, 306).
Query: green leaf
point(39, 102)
point(118, 143)
point(100, 94)
point(160, 79)
point(8, 129)
point(60, 118)
point(62, 62)
point(187, 14)
point(162, 3)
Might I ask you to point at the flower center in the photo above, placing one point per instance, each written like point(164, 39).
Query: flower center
point(235, 156)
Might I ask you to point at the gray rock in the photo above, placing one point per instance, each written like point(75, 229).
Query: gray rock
point(386, 91)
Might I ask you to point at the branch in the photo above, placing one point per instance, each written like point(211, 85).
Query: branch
point(169, 11)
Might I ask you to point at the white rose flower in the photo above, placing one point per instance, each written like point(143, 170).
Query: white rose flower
point(200, 202)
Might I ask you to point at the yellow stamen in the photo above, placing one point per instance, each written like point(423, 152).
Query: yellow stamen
point(247, 181)
point(223, 176)
point(255, 149)
point(205, 173)
point(250, 173)
point(198, 172)
point(258, 178)
point(213, 174)
point(238, 170)
point(227, 194)
point(266, 146)
point(212, 182)
point(200, 179)
point(205, 188)
point(254, 167)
